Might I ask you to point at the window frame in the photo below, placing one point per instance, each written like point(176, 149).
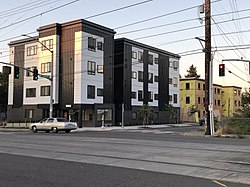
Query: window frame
point(31, 50)
point(100, 46)
point(134, 54)
point(91, 67)
point(100, 69)
point(91, 43)
point(44, 91)
point(30, 92)
point(45, 67)
point(48, 43)
point(90, 92)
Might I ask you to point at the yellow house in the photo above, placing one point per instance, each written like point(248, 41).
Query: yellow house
point(231, 100)
point(226, 99)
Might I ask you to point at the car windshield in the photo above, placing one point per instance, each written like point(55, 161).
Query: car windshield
point(62, 120)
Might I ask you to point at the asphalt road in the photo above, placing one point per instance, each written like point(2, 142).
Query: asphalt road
point(27, 171)
point(122, 158)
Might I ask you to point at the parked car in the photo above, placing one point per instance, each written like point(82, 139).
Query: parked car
point(54, 125)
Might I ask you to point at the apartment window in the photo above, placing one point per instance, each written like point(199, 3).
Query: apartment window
point(199, 100)
point(235, 92)
point(140, 56)
point(31, 92)
point(140, 95)
point(134, 75)
point(45, 91)
point(150, 96)
point(99, 92)
point(134, 54)
point(100, 46)
point(170, 98)
point(218, 91)
point(133, 95)
point(175, 81)
point(150, 77)
point(29, 113)
point(176, 64)
point(156, 78)
point(238, 103)
point(187, 86)
point(238, 92)
point(187, 100)
point(175, 98)
point(29, 73)
point(215, 102)
point(204, 87)
point(215, 91)
point(32, 50)
point(156, 60)
point(48, 44)
point(218, 102)
point(170, 80)
point(235, 103)
point(170, 64)
point(91, 68)
point(150, 59)
point(99, 68)
point(91, 44)
point(45, 67)
point(204, 102)
point(140, 76)
point(199, 86)
point(91, 92)
point(156, 97)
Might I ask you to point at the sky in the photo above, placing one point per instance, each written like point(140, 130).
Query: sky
point(165, 24)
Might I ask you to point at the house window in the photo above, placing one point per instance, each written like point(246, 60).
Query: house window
point(156, 96)
point(140, 76)
point(238, 92)
point(29, 113)
point(176, 64)
point(99, 68)
point(204, 87)
point(134, 54)
point(140, 95)
point(187, 86)
point(100, 46)
point(175, 98)
point(45, 91)
point(99, 92)
point(156, 60)
point(150, 59)
point(91, 92)
point(140, 56)
point(150, 96)
point(32, 50)
point(133, 95)
point(170, 98)
point(134, 75)
point(170, 80)
point(235, 103)
point(199, 86)
point(238, 103)
point(91, 44)
point(199, 100)
point(31, 92)
point(215, 102)
point(187, 100)
point(28, 73)
point(218, 102)
point(156, 78)
point(215, 90)
point(91, 68)
point(150, 77)
point(218, 91)
point(170, 64)
point(47, 44)
point(45, 67)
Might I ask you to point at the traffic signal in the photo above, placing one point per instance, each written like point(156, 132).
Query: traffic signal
point(35, 74)
point(16, 72)
point(221, 70)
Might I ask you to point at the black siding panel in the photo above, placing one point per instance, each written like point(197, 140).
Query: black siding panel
point(163, 82)
point(18, 83)
point(145, 76)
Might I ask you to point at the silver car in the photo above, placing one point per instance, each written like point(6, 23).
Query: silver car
point(54, 125)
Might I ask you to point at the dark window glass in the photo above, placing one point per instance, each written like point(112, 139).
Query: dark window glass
point(187, 100)
point(175, 98)
point(156, 78)
point(91, 43)
point(45, 91)
point(100, 46)
point(150, 77)
point(187, 86)
point(140, 95)
point(133, 95)
point(99, 92)
point(91, 68)
point(31, 92)
point(91, 92)
point(140, 76)
point(150, 59)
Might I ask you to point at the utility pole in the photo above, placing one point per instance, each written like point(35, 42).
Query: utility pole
point(208, 78)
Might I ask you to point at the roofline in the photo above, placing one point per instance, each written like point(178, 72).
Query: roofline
point(24, 41)
point(129, 41)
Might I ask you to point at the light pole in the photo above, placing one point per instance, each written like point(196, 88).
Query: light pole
point(51, 78)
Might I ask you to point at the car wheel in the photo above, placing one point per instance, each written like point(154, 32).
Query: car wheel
point(54, 130)
point(34, 129)
point(47, 131)
point(67, 131)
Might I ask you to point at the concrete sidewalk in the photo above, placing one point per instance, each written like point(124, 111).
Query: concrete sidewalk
point(106, 128)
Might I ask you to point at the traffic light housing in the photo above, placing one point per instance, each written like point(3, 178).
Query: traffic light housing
point(221, 70)
point(16, 72)
point(35, 74)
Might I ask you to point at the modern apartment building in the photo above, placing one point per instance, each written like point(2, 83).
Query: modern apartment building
point(144, 75)
point(226, 99)
point(83, 74)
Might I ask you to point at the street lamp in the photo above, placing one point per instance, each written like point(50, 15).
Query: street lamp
point(51, 78)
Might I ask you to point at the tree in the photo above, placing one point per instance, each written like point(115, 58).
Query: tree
point(192, 72)
point(3, 92)
point(145, 111)
point(244, 111)
point(192, 110)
